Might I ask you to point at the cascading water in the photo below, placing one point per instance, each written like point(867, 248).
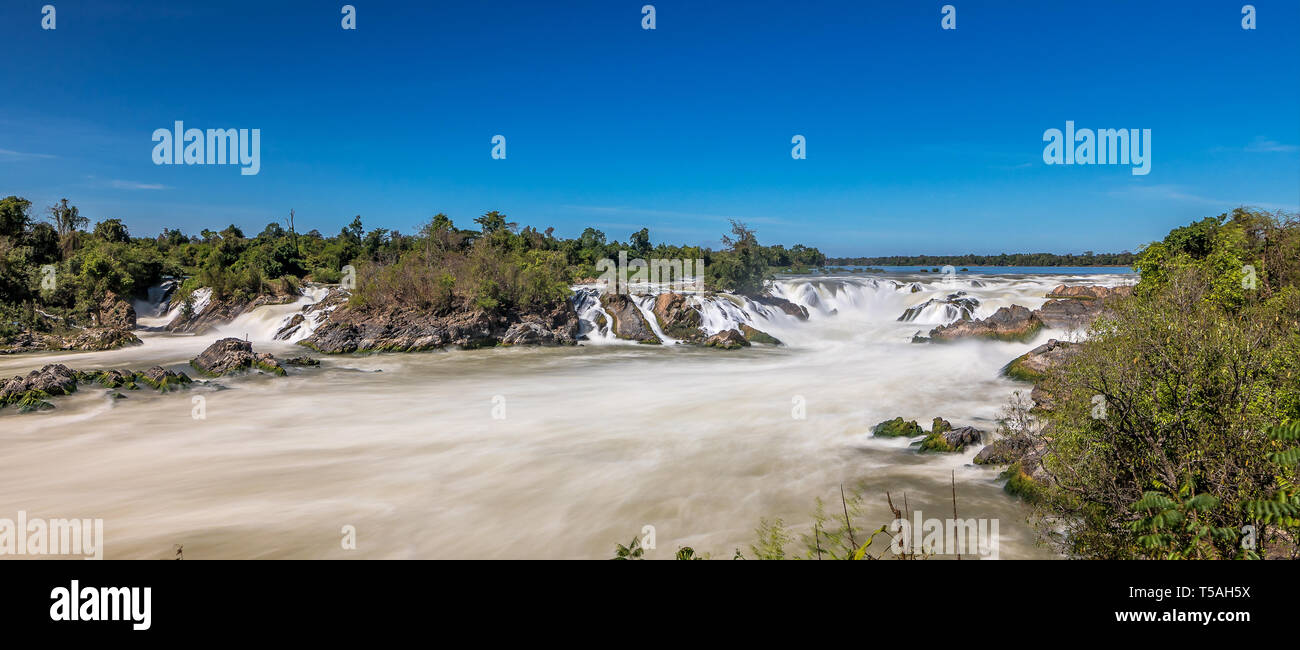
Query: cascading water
point(599, 440)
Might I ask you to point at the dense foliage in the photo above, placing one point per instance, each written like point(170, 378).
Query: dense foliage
point(1160, 439)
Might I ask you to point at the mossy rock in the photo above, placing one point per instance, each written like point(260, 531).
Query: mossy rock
point(33, 400)
point(1020, 484)
point(897, 427)
point(936, 442)
point(940, 425)
point(758, 336)
point(1018, 371)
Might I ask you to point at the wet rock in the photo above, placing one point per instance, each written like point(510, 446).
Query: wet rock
point(1014, 323)
point(234, 355)
point(629, 324)
point(164, 380)
point(28, 392)
point(727, 340)
point(677, 319)
point(960, 307)
point(302, 361)
point(948, 439)
point(758, 336)
point(100, 338)
point(290, 328)
point(798, 311)
point(897, 427)
point(1037, 363)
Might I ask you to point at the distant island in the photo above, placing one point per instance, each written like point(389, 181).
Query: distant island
point(1088, 258)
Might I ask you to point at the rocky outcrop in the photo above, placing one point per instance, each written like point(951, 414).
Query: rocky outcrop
point(677, 319)
point(949, 439)
point(1014, 323)
point(155, 377)
point(347, 329)
point(727, 340)
point(897, 427)
point(1075, 307)
point(629, 324)
point(798, 311)
point(758, 336)
point(231, 355)
point(334, 298)
point(1037, 363)
point(116, 313)
point(1089, 292)
point(28, 392)
point(86, 339)
point(960, 307)
point(304, 361)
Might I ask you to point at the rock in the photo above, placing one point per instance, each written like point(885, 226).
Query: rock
point(897, 427)
point(629, 323)
point(234, 355)
point(1014, 323)
point(1043, 399)
point(163, 380)
point(29, 392)
point(302, 361)
point(1035, 364)
point(530, 334)
point(960, 307)
point(758, 336)
point(727, 340)
point(1089, 292)
point(1069, 314)
point(798, 311)
point(347, 329)
point(116, 313)
point(940, 425)
point(100, 338)
point(1003, 451)
point(949, 439)
point(290, 328)
point(677, 319)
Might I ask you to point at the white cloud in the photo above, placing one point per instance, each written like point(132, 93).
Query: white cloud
point(132, 185)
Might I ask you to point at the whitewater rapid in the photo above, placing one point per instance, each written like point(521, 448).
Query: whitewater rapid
point(531, 452)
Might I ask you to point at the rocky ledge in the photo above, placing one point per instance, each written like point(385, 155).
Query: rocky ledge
point(1075, 307)
point(1035, 364)
point(347, 329)
point(85, 340)
point(30, 392)
point(1014, 323)
point(231, 355)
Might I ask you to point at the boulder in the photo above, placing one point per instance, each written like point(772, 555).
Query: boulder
point(959, 307)
point(727, 340)
point(302, 361)
point(677, 319)
point(231, 355)
point(949, 439)
point(629, 323)
point(1069, 314)
point(758, 336)
point(28, 392)
point(1014, 323)
point(897, 427)
point(1089, 292)
point(1035, 364)
point(798, 311)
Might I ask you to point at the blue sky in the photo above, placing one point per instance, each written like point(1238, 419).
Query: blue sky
point(919, 140)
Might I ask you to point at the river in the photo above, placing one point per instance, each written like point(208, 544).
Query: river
point(531, 452)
